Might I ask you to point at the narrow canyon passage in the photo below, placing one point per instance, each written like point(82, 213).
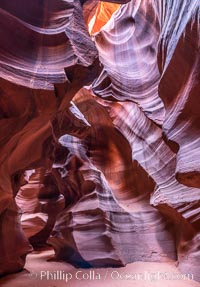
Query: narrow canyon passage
point(99, 142)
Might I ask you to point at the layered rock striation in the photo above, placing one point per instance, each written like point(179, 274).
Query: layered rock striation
point(99, 137)
point(44, 61)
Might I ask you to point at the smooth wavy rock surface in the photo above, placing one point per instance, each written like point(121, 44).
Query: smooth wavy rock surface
point(99, 134)
point(105, 208)
point(130, 39)
point(39, 201)
point(179, 60)
point(41, 42)
point(152, 50)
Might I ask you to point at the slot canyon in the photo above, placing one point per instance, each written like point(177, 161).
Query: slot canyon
point(99, 143)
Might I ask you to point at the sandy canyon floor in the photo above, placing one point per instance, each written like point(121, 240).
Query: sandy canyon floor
point(41, 272)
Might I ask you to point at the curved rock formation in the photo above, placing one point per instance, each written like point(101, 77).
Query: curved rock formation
point(44, 59)
point(157, 113)
point(39, 201)
point(179, 62)
point(99, 136)
point(130, 39)
point(113, 210)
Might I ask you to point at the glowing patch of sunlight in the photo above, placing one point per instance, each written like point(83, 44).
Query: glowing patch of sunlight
point(103, 14)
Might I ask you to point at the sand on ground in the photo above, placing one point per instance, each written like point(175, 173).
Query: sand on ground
point(39, 272)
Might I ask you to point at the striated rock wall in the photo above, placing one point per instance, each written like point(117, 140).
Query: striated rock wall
point(44, 60)
point(109, 126)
